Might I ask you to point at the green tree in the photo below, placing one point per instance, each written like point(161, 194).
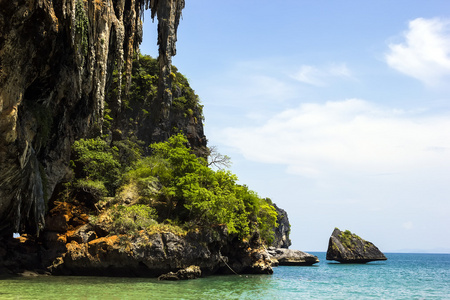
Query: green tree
point(212, 197)
point(95, 160)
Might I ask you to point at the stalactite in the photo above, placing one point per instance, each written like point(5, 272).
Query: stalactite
point(168, 14)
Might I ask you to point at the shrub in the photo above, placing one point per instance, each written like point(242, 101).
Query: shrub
point(95, 188)
point(95, 160)
point(212, 197)
point(130, 219)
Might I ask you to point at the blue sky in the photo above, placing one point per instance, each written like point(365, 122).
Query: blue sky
point(339, 111)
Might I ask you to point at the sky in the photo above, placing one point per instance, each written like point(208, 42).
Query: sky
point(339, 111)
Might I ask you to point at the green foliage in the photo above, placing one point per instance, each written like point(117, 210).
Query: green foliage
point(143, 91)
point(144, 80)
point(193, 193)
point(212, 197)
point(97, 161)
point(186, 100)
point(128, 152)
point(94, 187)
point(267, 218)
point(130, 219)
point(82, 25)
point(166, 227)
point(94, 160)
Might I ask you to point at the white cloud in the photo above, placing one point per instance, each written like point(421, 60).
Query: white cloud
point(321, 76)
point(425, 53)
point(313, 139)
point(310, 75)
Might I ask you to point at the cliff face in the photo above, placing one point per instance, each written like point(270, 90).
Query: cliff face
point(56, 60)
point(281, 236)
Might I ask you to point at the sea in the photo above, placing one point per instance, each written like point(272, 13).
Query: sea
point(402, 276)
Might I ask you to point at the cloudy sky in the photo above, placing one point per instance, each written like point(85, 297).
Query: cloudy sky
point(339, 111)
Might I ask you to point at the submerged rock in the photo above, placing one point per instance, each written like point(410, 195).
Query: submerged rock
point(346, 247)
point(288, 257)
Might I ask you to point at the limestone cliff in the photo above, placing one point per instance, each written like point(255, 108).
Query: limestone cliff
point(281, 236)
point(56, 60)
point(65, 73)
point(346, 247)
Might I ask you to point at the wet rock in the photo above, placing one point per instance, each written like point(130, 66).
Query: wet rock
point(346, 247)
point(191, 272)
point(289, 257)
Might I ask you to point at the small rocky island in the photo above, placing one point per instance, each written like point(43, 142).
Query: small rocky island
point(347, 247)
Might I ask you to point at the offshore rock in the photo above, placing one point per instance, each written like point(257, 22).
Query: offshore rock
point(281, 232)
point(288, 257)
point(346, 247)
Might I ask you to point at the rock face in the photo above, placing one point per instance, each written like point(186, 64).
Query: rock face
point(281, 238)
point(288, 257)
point(346, 247)
point(56, 61)
point(73, 245)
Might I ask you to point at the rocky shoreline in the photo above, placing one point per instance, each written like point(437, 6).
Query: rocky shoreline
point(71, 244)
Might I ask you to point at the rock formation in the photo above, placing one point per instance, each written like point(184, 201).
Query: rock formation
point(76, 246)
point(346, 247)
point(60, 61)
point(56, 60)
point(191, 272)
point(279, 252)
point(281, 238)
point(288, 257)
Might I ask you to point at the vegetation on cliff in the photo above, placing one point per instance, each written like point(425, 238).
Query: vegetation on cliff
point(172, 185)
point(138, 116)
point(167, 182)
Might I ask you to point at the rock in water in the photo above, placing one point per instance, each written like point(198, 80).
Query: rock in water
point(191, 272)
point(347, 247)
point(288, 257)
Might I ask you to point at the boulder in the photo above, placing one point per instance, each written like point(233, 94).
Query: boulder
point(289, 257)
point(191, 272)
point(347, 247)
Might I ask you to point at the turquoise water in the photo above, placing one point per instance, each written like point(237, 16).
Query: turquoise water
point(402, 276)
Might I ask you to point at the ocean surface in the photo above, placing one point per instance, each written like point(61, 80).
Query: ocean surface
point(402, 276)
